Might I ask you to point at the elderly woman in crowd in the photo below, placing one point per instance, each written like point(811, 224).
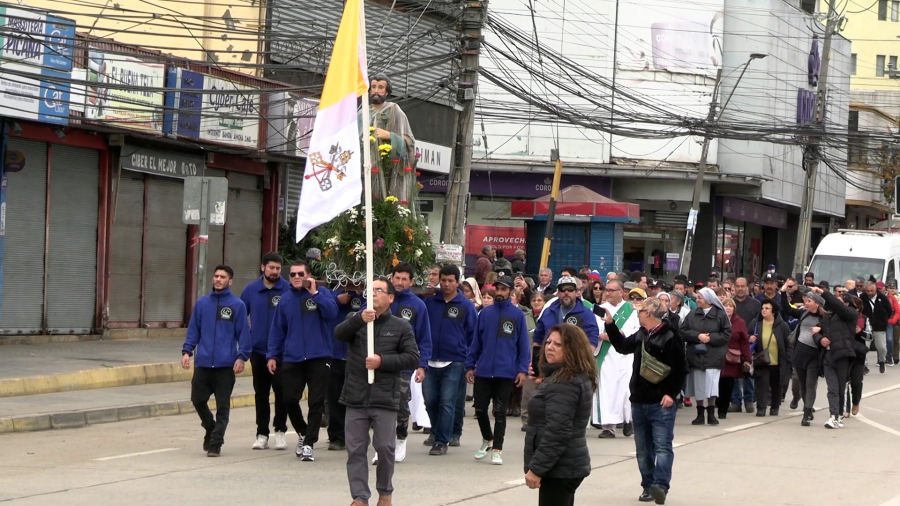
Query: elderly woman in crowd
point(706, 332)
point(771, 357)
point(737, 357)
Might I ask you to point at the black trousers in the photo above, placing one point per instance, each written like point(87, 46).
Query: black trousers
point(837, 373)
point(766, 377)
point(558, 491)
point(314, 374)
point(485, 391)
point(726, 385)
point(806, 367)
point(336, 410)
point(209, 381)
point(857, 371)
point(263, 381)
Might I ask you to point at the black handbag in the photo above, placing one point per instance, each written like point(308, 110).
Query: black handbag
point(700, 349)
point(762, 358)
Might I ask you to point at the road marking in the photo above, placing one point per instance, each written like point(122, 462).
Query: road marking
point(877, 392)
point(674, 445)
point(136, 454)
point(893, 502)
point(742, 427)
point(878, 426)
point(520, 481)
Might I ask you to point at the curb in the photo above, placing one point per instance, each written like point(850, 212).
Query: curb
point(128, 375)
point(75, 419)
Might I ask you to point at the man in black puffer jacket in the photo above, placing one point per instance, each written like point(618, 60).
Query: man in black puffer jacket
point(374, 406)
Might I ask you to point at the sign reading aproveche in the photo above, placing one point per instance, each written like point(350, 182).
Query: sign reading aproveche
point(211, 109)
point(161, 163)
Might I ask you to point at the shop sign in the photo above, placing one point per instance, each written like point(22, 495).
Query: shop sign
point(44, 97)
point(121, 91)
point(516, 184)
point(752, 212)
point(211, 109)
point(161, 162)
point(36, 38)
point(290, 123)
point(433, 157)
point(509, 239)
point(806, 106)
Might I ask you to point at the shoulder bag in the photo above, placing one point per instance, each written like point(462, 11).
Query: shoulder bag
point(761, 358)
point(652, 369)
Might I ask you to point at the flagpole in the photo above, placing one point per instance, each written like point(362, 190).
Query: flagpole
point(367, 171)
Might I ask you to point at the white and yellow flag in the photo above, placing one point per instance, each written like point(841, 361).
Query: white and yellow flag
point(332, 181)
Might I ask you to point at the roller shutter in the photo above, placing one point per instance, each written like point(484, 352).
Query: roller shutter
point(25, 214)
point(216, 251)
point(294, 179)
point(72, 263)
point(127, 248)
point(166, 245)
point(243, 221)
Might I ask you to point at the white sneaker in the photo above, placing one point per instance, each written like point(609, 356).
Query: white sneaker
point(262, 442)
point(299, 450)
point(840, 422)
point(484, 450)
point(280, 441)
point(307, 454)
point(375, 460)
point(831, 423)
point(495, 458)
point(400, 451)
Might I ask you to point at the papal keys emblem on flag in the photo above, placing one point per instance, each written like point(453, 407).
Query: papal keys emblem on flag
point(323, 169)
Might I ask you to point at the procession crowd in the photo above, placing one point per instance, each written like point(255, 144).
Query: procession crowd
point(622, 353)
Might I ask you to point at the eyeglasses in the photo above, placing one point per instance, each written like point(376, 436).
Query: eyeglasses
point(380, 291)
point(635, 297)
point(298, 274)
point(566, 290)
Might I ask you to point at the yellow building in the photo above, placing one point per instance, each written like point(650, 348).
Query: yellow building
point(229, 33)
point(872, 28)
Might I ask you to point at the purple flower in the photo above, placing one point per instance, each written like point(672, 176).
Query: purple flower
point(379, 243)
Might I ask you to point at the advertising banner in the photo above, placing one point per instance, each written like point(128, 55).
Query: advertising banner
point(36, 38)
point(121, 91)
point(26, 97)
point(291, 120)
point(211, 109)
point(508, 239)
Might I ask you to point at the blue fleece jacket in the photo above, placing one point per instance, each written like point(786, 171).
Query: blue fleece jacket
point(500, 348)
point(339, 349)
point(261, 302)
point(301, 330)
point(452, 327)
point(412, 309)
point(579, 316)
point(218, 331)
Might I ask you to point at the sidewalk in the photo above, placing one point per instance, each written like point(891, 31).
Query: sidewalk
point(65, 385)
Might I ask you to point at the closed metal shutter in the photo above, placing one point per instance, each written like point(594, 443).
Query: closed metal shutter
point(294, 182)
point(23, 273)
point(166, 244)
point(72, 263)
point(244, 221)
point(127, 248)
point(215, 252)
point(671, 219)
point(569, 247)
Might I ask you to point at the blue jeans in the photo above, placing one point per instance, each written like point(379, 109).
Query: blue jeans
point(441, 392)
point(889, 341)
point(749, 391)
point(460, 414)
point(654, 429)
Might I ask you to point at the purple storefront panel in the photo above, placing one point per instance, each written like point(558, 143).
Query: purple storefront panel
point(752, 212)
point(517, 185)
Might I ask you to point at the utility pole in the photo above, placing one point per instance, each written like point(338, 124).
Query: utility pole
point(698, 185)
point(453, 229)
point(811, 153)
point(551, 215)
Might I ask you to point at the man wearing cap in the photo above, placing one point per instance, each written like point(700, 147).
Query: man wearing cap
point(611, 405)
point(566, 308)
point(889, 331)
point(771, 270)
point(770, 291)
point(497, 361)
point(655, 288)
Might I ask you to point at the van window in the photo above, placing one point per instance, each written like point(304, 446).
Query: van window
point(837, 270)
point(890, 271)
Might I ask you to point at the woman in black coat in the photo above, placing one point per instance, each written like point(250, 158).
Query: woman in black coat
point(769, 331)
point(839, 334)
point(556, 453)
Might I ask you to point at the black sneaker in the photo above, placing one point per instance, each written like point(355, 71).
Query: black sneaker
point(645, 496)
point(438, 450)
point(336, 446)
point(881, 367)
point(607, 434)
point(454, 441)
point(658, 493)
point(214, 451)
point(429, 441)
point(628, 429)
point(206, 439)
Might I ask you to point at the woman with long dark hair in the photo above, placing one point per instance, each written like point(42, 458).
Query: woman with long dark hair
point(594, 294)
point(557, 459)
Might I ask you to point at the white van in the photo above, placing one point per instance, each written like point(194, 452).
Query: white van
point(849, 254)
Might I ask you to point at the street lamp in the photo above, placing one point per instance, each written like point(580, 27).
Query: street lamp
point(712, 117)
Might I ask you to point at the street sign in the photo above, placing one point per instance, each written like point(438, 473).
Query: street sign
point(449, 253)
point(218, 194)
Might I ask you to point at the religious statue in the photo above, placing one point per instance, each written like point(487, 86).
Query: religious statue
point(396, 167)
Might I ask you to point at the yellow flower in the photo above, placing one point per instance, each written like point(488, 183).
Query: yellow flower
point(391, 199)
point(352, 251)
point(371, 129)
point(328, 252)
point(372, 138)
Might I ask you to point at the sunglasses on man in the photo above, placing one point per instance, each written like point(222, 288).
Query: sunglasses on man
point(635, 297)
point(298, 274)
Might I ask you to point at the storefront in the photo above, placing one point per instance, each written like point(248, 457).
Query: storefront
point(746, 237)
point(51, 229)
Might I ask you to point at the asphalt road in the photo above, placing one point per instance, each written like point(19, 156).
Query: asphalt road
point(745, 460)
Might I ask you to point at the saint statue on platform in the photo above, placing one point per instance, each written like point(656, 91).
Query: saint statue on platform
point(394, 146)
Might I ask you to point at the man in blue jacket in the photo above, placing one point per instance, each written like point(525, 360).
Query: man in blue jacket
point(565, 309)
point(498, 360)
point(453, 319)
point(219, 335)
point(300, 340)
point(261, 298)
point(411, 308)
point(348, 302)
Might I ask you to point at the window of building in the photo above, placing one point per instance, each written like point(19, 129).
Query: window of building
point(853, 64)
point(879, 65)
point(892, 63)
point(895, 11)
point(808, 6)
point(882, 10)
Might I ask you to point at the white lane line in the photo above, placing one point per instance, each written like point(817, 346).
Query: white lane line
point(877, 392)
point(138, 454)
point(742, 427)
point(877, 425)
point(674, 445)
point(893, 502)
point(520, 481)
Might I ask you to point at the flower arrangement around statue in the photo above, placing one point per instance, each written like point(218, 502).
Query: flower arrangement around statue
point(393, 171)
point(399, 236)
